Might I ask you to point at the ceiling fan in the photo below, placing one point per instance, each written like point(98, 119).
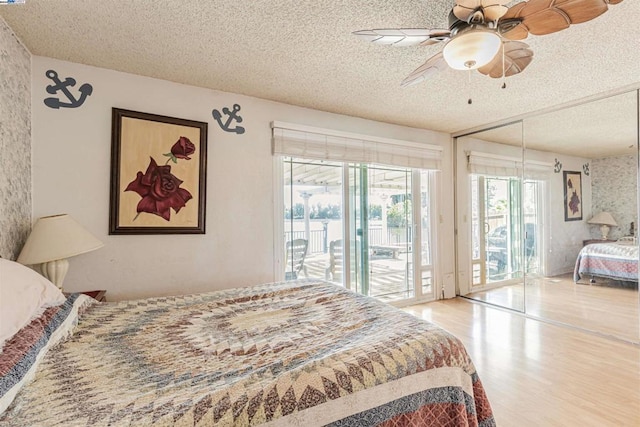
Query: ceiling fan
point(484, 34)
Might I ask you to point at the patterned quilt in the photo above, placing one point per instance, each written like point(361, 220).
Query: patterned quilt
point(611, 260)
point(296, 353)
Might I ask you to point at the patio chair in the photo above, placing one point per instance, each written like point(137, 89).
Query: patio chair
point(296, 251)
point(334, 271)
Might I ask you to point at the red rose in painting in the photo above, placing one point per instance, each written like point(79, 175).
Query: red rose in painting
point(574, 203)
point(574, 200)
point(182, 149)
point(160, 191)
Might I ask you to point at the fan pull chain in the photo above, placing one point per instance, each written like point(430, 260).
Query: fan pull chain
point(504, 72)
point(470, 101)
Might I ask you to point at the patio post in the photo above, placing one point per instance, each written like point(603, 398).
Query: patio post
point(307, 233)
point(385, 230)
point(325, 229)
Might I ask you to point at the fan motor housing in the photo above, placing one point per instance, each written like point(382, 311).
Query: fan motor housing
point(476, 20)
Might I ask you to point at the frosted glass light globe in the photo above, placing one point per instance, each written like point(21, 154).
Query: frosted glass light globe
point(471, 49)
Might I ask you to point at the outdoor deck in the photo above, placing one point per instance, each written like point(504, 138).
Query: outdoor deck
point(387, 275)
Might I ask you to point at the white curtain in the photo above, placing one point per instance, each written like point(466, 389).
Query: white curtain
point(539, 171)
point(325, 144)
point(496, 165)
point(493, 165)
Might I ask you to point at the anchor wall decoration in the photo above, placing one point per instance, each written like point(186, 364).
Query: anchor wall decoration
point(63, 86)
point(585, 169)
point(231, 117)
point(557, 167)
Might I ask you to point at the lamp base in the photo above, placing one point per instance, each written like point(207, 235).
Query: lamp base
point(604, 229)
point(55, 271)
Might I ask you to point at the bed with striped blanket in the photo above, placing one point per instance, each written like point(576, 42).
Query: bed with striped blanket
point(305, 352)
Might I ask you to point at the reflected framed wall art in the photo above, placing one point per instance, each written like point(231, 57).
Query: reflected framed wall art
point(158, 174)
point(572, 195)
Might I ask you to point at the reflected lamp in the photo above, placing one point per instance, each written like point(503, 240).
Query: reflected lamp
point(606, 221)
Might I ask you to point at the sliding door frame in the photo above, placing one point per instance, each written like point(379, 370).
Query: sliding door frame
point(416, 188)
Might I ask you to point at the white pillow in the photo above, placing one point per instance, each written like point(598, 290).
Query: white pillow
point(23, 295)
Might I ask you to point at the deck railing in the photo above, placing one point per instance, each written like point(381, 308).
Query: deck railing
point(318, 238)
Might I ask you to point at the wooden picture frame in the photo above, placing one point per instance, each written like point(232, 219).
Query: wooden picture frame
point(158, 174)
point(572, 195)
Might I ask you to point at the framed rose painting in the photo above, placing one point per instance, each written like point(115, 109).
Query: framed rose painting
point(158, 174)
point(572, 195)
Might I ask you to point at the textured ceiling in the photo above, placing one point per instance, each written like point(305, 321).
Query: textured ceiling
point(603, 128)
point(303, 53)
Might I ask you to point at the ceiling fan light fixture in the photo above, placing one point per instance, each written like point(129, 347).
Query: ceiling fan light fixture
point(471, 49)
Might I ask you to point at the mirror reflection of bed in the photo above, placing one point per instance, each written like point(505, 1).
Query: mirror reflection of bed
point(567, 270)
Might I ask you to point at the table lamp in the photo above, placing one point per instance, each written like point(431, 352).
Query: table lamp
point(54, 239)
point(605, 220)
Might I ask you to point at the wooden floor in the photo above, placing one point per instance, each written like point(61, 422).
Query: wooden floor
point(540, 374)
point(605, 307)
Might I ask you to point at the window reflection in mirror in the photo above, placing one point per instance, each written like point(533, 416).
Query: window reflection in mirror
point(583, 279)
point(491, 224)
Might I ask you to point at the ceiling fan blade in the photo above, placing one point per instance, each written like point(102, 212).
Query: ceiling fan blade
point(403, 36)
point(494, 12)
point(541, 17)
point(492, 9)
point(517, 55)
point(437, 36)
point(433, 66)
point(488, 3)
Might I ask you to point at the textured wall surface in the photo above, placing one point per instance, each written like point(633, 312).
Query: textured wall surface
point(15, 143)
point(614, 189)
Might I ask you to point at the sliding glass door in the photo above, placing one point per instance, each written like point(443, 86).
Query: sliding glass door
point(382, 231)
point(312, 219)
point(497, 230)
point(532, 205)
point(360, 227)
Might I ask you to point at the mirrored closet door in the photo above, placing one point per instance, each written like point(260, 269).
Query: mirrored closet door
point(547, 213)
point(585, 269)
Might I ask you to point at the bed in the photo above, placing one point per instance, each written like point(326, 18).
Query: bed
point(303, 352)
point(614, 260)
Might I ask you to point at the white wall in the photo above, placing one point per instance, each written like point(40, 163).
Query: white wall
point(562, 239)
point(71, 172)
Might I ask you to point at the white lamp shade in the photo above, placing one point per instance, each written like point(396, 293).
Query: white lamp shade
point(603, 218)
point(57, 237)
point(471, 49)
